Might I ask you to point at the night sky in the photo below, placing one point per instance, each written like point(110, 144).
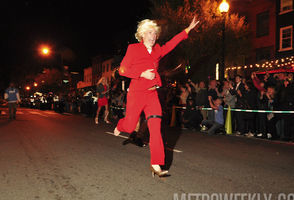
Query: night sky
point(85, 28)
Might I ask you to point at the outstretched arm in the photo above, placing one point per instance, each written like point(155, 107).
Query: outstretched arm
point(170, 45)
point(256, 81)
point(214, 107)
point(192, 25)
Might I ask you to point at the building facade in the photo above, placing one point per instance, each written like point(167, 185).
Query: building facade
point(88, 79)
point(271, 34)
point(96, 68)
point(100, 67)
point(284, 31)
point(107, 69)
point(261, 18)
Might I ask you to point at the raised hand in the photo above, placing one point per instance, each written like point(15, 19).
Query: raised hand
point(192, 25)
point(148, 74)
point(253, 75)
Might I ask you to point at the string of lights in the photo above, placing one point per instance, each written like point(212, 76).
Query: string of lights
point(277, 63)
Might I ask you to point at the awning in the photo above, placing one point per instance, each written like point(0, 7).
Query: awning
point(276, 71)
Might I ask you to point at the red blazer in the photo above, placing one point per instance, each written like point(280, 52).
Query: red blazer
point(138, 59)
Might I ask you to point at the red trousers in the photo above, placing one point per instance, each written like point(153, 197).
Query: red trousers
point(148, 102)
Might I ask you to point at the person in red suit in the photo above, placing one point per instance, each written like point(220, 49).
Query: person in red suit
point(140, 64)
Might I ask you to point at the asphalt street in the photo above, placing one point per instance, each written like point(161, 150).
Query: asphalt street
point(49, 156)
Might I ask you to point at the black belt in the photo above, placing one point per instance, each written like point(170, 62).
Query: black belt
point(154, 116)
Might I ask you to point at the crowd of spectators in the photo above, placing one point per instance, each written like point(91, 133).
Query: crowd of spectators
point(185, 101)
point(259, 92)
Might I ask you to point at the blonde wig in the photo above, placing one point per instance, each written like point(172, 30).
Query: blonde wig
point(144, 26)
point(101, 80)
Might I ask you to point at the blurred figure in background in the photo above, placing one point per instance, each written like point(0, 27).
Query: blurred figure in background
point(238, 90)
point(103, 96)
point(202, 98)
point(183, 95)
point(191, 117)
point(11, 95)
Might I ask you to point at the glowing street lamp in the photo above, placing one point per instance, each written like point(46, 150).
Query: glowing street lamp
point(223, 8)
point(28, 88)
point(45, 50)
point(35, 84)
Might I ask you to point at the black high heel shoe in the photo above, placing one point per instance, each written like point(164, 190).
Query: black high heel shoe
point(134, 139)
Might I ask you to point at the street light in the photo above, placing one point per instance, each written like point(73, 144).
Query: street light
point(45, 50)
point(223, 8)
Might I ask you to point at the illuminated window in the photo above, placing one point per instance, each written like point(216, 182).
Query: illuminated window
point(286, 6)
point(286, 38)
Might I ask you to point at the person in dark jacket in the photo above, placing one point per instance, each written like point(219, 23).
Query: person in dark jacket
point(250, 103)
point(212, 94)
point(238, 90)
point(191, 117)
point(269, 102)
point(202, 98)
point(285, 102)
point(288, 102)
point(212, 90)
point(11, 95)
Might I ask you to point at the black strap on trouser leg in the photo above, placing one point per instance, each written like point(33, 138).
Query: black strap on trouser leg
point(154, 116)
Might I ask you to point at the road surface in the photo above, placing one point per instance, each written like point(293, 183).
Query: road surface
point(49, 156)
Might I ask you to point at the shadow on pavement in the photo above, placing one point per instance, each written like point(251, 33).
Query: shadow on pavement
point(170, 139)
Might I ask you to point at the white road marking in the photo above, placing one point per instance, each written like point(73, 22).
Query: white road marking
point(6, 113)
point(174, 150)
point(50, 112)
point(170, 149)
point(110, 133)
point(37, 113)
